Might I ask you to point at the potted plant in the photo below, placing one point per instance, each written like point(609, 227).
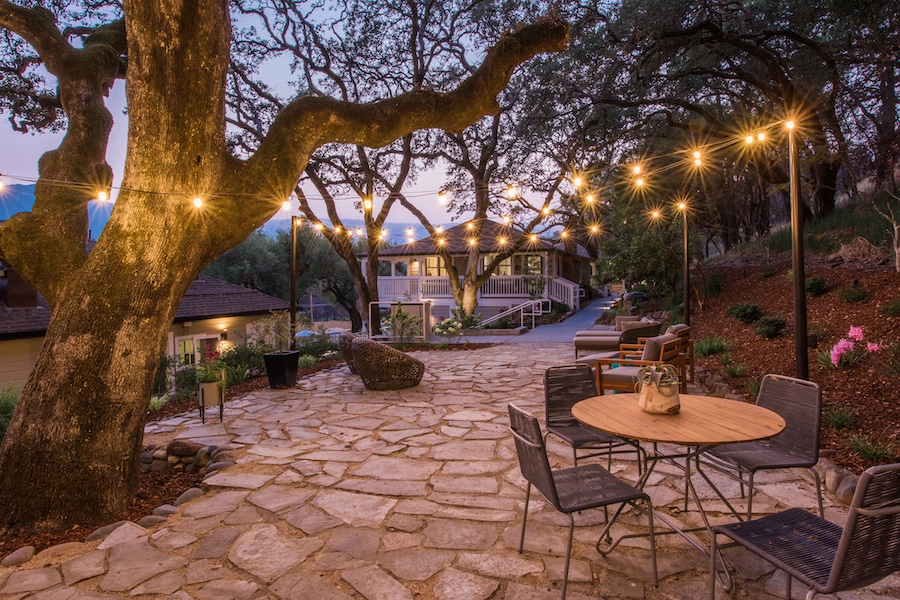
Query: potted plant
point(274, 337)
point(211, 382)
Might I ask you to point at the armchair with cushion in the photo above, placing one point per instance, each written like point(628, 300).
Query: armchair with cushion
point(595, 340)
point(620, 372)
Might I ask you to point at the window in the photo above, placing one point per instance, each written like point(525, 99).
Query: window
point(504, 268)
point(384, 268)
point(532, 264)
point(192, 349)
point(186, 354)
point(400, 268)
point(434, 267)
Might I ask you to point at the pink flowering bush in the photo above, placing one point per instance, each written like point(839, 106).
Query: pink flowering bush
point(851, 349)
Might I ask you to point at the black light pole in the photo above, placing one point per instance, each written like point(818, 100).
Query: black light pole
point(687, 267)
point(295, 221)
point(801, 356)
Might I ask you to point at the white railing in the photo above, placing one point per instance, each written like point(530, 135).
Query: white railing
point(500, 286)
point(532, 308)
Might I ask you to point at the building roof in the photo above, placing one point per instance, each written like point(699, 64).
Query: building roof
point(494, 238)
point(206, 298)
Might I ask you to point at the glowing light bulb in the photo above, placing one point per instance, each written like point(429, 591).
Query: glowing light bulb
point(546, 210)
point(198, 201)
point(286, 205)
point(367, 203)
point(761, 136)
point(639, 182)
point(507, 220)
point(682, 206)
point(102, 196)
point(443, 199)
point(337, 228)
point(502, 241)
point(563, 234)
point(472, 241)
point(512, 192)
point(636, 169)
point(440, 242)
point(594, 229)
point(533, 238)
point(359, 231)
point(576, 181)
point(439, 229)
point(318, 227)
point(749, 139)
point(470, 226)
point(589, 198)
point(789, 124)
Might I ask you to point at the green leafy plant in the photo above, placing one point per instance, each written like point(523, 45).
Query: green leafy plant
point(273, 333)
point(157, 402)
point(403, 326)
point(769, 271)
point(247, 357)
point(452, 327)
point(770, 327)
point(753, 385)
point(816, 286)
point(320, 344)
point(307, 360)
point(746, 313)
point(9, 397)
point(211, 372)
point(725, 359)
point(876, 450)
point(891, 309)
point(736, 370)
point(709, 346)
point(839, 417)
point(853, 294)
point(185, 383)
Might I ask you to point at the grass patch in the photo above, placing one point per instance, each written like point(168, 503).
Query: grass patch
point(891, 309)
point(839, 417)
point(753, 385)
point(875, 450)
point(853, 294)
point(306, 360)
point(709, 346)
point(736, 370)
point(157, 402)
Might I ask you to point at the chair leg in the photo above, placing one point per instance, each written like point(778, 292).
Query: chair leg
point(818, 491)
point(568, 555)
point(524, 517)
point(750, 498)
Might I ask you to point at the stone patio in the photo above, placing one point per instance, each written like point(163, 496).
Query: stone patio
point(338, 492)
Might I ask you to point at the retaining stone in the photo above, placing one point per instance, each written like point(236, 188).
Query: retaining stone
point(18, 557)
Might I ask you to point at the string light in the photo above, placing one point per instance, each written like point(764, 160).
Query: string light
point(102, 196)
point(443, 199)
point(198, 201)
point(512, 193)
point(533, 239)
point(546, 211)
point(697, 160)
point(506, 220)
point(286, 206)
point(359, 231)
point(439, 229)
point(576, 181)
point(470, 225)
point(502, 241)
point(595, 229)
point(563, 234)
point(367, 203)
point(472, 241)
point(589, 198)
point(639, 182)
point(789, 124)
point(636, 169)
point(337, 228)
point(318, 226)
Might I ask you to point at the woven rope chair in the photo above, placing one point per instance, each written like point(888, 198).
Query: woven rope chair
point(820, 554)
point(571, 490)
point(799, 402)
point(563, 387)
point(382, 367)
point(345, 339)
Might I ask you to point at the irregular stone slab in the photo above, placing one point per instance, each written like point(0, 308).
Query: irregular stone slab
point(84, 567)
point(172, 540)
point(245, 515)
point(469, 450)
point(297, 585)
point(471, 485)
point(470, 415)
point(349, 548)
point(458, 585)
point(447, 533)
point(132, 563)
point(311, 521)
point(384, 467)
point(273, 451)
point(247, 481)
point(385, 488)
point(511, 567)
point(337, 455)
point(203, 431)
point(216, 544)
point(266, 553)
point(395, 436)
point(200, 571)
point(276, 498)
point(228, 588)
point(359, 510)
point(31, 581)
point(167, 583)
point(416, 564)
point(215, 504)
point(375, 584)
point(127, 532)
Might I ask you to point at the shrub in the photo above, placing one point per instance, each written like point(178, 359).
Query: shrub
point(769, 271)
point(839, 417)
point(770, 327)
point(9, 397)
point(318, 344)
point(746, 313)
point(307, 360)
point(736, 370)
point(157, 402)
point(709, 346)
point(875, 450)
point(853, 294)
point(453, 326)
point(246, 356)
point(165, 375)
point(502, 323)
point(891, 309)
point(816, 286)
point(725, 359)
point(185, 383)
point(402, 325)
point(753, 386)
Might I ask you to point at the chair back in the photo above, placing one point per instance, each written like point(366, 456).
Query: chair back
point(869, 548)
point(799, 402)
point(661, 348)
point(563, 387)
point(680, 330)
point(632, 331)
point(533, 461)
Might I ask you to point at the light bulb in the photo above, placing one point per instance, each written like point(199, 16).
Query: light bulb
point(198, 201)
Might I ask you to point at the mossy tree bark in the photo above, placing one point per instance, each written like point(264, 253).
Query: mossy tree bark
point(71, 452)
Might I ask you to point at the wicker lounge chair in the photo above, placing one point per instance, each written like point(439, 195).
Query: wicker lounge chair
point(820, 554)
point(563, 387)
point(799, 402)
point(382, 367)
point(345, 339)
point(571, 490)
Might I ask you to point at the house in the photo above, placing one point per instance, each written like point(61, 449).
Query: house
point(538, 270)
point(213, 315)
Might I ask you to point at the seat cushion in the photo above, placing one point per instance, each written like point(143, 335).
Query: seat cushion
point(653, 346)
point(625, 318)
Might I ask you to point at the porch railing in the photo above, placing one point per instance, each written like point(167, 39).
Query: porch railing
point(503, 286)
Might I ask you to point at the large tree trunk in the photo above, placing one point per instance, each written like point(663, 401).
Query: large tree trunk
point(71, 452)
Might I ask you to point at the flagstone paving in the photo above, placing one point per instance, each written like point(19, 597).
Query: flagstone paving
point(337, 492)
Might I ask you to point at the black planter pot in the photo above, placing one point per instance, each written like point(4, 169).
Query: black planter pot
point(281, 368)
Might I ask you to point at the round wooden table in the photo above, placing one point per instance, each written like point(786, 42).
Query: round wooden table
point(702, 420)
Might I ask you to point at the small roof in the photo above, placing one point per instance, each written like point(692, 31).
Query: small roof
point(206, 298)
point(494, 237)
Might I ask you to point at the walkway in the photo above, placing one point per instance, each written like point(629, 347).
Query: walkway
point(340, 493)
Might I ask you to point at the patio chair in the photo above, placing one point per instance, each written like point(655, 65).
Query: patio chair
point(571, 490)
point(620, 373)
point(799, 402)
point(820, 554)
point(606, 340)
point(563, 387)
point(382, 367)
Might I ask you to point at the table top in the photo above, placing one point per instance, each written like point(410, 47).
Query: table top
point(702, 420)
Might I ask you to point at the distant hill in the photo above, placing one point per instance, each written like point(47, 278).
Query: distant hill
point(20, 198)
